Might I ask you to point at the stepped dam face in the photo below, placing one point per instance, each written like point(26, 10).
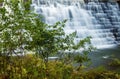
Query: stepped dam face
point(98, 19)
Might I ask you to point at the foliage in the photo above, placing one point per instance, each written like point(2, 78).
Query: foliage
point(36, 69)
point(96, 73)
point(115, 62)
point(22, 30)
point(14, 28)
point(114, 65)
point(1, 1)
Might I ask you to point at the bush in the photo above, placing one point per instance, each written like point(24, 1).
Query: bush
point(115, 63)
point(31, 67)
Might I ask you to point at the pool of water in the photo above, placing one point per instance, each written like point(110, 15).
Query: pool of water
point(102, 57)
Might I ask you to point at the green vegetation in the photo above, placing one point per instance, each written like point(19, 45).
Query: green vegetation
point(114, 65)
point(115, 62)
point(33, 67)
point(1, 1)
point(22, 31)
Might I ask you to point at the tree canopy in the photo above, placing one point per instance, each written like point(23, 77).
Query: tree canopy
point(22, 30)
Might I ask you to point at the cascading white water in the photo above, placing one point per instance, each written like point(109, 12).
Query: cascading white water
point(86, 22)
point(107, 15)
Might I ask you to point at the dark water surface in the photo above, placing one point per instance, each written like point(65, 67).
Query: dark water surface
point(102, 57)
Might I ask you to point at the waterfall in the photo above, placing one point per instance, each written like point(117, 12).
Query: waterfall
point(99, 20)
point(107, 16)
